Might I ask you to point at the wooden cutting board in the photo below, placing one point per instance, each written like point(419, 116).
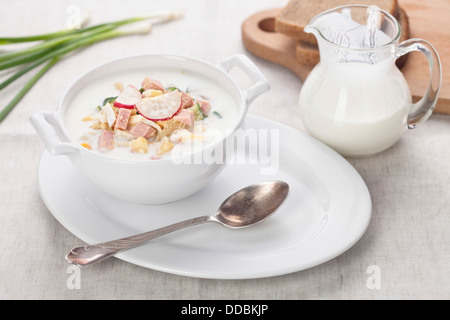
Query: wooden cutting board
point(429, 20)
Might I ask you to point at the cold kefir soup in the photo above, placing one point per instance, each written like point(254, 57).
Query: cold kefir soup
point(151, 114)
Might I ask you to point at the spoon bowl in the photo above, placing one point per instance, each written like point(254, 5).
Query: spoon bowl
point(252, 204)
point(242, 209)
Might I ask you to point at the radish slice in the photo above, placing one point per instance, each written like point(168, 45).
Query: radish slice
point(160, 108)
point(128, 98)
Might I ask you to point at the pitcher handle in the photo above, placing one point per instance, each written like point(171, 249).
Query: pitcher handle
point(423, 109)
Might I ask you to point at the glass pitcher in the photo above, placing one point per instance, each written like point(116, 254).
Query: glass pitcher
point(356, 100)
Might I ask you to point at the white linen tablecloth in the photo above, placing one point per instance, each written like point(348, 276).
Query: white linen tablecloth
point(408, 240)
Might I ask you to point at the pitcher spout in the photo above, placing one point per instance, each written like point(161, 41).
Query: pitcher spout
point(330, 24)
point(312, 29)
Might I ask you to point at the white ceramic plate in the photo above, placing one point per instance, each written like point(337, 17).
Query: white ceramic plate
point(327, 212)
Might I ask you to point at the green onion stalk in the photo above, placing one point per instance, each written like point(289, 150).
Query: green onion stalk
point(54, 46)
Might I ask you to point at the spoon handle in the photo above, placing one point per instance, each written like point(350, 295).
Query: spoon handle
point(83, 256)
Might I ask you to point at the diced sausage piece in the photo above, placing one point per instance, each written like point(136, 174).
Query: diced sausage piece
point(106, 140)
point(185, 116)
point(186, 100)
point(150, 83)
point(122, 119)
point(204, 105)
point(143, 130)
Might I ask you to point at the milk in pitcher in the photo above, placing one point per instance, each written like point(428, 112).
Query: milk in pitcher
point(356, 108)
point(355, 100)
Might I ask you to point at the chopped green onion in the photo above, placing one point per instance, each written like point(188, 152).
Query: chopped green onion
point(109, 100)
point(198, 113)
point(217, 114)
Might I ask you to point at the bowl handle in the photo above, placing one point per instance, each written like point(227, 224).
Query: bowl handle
point(245, 64)
point(48, 128)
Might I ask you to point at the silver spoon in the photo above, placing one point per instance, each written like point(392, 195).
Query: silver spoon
point(244, 208)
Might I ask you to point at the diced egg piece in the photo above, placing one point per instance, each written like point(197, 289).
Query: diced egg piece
point(86, 145)
point(110, 114)
point(180, 136)
point(166, 146)
point(118, 86)
point(139, 145)
point(151, 93)
point(122, 134)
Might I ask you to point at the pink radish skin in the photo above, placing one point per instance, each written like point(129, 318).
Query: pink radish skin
point(124, 106)
point(128, 98)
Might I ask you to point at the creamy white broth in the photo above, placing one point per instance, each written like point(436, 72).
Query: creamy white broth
point(208, 131)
